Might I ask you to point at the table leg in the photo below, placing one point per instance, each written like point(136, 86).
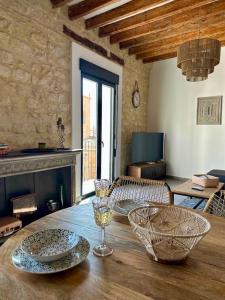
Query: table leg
point(199, 202)
point(172, 198)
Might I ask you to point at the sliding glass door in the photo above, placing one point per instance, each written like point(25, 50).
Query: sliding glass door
point(98, 131)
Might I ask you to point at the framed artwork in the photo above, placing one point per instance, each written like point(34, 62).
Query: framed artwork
point(209, 110)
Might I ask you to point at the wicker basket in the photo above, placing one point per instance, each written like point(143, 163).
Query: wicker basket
point(169, 233)
point(205, 180)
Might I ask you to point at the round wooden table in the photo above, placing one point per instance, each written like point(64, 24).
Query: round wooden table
point(128, 274)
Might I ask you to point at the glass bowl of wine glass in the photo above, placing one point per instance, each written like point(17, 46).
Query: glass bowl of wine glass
point(103, 215)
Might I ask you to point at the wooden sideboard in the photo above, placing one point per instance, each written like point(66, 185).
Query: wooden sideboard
point(152, 170)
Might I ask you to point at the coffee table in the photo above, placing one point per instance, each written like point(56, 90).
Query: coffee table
point(185, 189)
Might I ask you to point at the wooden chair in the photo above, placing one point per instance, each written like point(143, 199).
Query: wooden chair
point(216, 204)
point(139, 189)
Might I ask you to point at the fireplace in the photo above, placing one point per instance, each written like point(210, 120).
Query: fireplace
point(48, 177)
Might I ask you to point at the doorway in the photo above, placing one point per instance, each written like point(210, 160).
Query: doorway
point(98, 127)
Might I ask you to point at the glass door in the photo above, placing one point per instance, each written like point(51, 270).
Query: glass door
point(98, 126)
point(107, 136)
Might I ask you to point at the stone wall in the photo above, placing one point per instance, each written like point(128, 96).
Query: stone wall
point(35, 76)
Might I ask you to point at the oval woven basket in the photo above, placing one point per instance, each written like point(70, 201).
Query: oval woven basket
point(169, 233)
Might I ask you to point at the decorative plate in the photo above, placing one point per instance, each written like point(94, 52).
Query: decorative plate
point(25, 263)
point(50, 244)
point(123, 207)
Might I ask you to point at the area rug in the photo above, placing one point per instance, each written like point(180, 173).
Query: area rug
point(192, 202)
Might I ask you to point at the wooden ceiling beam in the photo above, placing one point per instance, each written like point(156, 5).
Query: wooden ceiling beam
point(153, 15)
point(58, 3)
point(124, 10)
point(159, 57)
point(162, 56)
point(86, 7)
point(181, 36)
point(168, 49)
point(143, 34)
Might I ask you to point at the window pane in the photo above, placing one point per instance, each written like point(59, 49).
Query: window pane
point(89, 135)
point(107, 132)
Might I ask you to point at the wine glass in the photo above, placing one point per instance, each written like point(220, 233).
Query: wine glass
point(101, 187)
point(103, 216)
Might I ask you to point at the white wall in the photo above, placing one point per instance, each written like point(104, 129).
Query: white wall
point(189, 148)
point(82, 52)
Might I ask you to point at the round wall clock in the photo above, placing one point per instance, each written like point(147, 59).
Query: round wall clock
point(136, 99)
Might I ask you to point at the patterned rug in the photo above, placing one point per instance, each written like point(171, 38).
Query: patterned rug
point(192, 202)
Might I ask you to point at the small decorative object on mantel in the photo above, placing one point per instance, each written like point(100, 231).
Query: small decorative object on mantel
point(61, 132)
point(4, 149)
point(41, 146)
point(209, 110)
point(136, 99)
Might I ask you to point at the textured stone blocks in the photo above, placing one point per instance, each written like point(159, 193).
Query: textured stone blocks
point(35, 76)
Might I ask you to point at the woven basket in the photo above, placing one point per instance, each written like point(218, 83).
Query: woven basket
point(169, 233)
point(206, 181)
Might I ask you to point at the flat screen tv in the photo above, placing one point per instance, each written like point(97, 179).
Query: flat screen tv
point(147, 146)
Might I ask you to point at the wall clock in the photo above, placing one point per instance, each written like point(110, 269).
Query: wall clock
point(136, 99)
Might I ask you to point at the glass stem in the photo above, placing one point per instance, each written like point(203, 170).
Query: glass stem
point(103, 236)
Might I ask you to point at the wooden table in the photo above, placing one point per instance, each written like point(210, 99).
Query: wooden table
point(185, 189)
point(128, 274)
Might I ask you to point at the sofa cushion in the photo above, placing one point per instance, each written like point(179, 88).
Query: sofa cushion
point(218, 173)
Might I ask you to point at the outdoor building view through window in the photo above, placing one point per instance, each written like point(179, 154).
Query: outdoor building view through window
point(104, 105)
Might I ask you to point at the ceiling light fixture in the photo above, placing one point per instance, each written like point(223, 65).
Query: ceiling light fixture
point(197, 58)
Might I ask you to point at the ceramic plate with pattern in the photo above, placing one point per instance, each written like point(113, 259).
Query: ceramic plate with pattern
point(123, 207)
point(25, 263)
point(50, 244)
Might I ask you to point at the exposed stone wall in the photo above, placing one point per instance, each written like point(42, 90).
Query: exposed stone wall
point(35, 76)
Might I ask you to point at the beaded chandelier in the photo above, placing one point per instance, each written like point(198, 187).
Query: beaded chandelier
point(197, 58)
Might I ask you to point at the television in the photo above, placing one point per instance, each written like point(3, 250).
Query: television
point(147, 146)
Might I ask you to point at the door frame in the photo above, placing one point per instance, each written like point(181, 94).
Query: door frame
point(79, 52)
point(99, 82)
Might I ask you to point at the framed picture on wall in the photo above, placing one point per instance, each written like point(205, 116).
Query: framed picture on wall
point(209, 110)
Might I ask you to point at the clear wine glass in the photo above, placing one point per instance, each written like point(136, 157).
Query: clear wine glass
point(103, 216)
point(101, 187)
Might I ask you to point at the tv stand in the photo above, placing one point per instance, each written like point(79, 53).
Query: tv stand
point(150, 170)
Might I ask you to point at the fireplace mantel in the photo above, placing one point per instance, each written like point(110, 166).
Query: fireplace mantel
point(18, 163)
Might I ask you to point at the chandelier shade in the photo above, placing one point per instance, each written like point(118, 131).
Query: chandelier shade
point(197, 58)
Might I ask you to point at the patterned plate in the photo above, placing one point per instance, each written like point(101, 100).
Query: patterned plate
point(50, 244)
point(27, 264)
point(123, 207)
